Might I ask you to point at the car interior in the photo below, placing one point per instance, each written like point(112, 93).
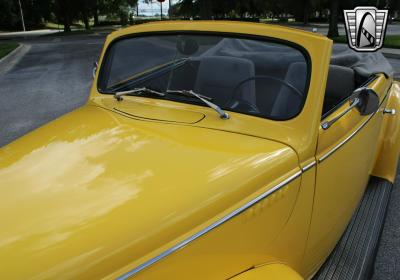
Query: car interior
point(238, 84)
point(340, 85)
point(348, 71)
point(246, 76)
point(272, 99)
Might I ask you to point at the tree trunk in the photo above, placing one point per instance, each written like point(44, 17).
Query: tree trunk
point(67, 28)
point(67, 21)
point(86, 20)
point(96, 18)
point(205, 9)
point(333, 19)
point(96, 14)
point(306, 11)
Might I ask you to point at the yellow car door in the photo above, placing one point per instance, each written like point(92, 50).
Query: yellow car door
point(347, 145)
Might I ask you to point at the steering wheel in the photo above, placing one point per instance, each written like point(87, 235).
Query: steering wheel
point(237, 100)
point(243, 105)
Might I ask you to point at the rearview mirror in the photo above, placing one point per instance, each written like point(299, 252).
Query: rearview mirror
point(368, 101)
point(187, 46)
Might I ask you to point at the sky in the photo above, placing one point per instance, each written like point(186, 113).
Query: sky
point(152, 9)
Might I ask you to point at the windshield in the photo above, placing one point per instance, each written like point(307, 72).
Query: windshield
point(249, 76)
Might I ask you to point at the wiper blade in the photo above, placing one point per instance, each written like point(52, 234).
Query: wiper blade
point(186, 93)
point(137, 92)
point(222, 113)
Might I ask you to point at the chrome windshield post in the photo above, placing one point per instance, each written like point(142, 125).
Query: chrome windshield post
point(95, 66)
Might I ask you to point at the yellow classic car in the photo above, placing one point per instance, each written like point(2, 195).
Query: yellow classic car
point(208, 150)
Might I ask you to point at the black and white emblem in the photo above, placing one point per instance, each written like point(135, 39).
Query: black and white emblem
point(365, 28)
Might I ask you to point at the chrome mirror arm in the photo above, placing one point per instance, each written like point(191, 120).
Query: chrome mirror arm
point(327, 124)
point(95, 66)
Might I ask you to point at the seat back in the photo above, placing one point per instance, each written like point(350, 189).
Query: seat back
point(288, 101)
point(340, 85)
point(218, 76)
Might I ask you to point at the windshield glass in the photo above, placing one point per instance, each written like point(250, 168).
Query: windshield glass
point(250, 76)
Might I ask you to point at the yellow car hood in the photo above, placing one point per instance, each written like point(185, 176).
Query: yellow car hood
point(93, 191)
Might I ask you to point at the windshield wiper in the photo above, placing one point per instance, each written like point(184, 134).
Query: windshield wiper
point(191, 93)
point(137, 92)
point(186, 93)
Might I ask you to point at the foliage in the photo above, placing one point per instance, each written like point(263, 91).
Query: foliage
point(37, 12)
point(6, 48)
point(8, 14)
point(65, 12)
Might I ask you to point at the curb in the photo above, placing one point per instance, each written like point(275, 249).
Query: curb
point(8, 62)
point(11, 53)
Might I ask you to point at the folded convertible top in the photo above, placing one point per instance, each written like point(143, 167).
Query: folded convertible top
point(364, 64)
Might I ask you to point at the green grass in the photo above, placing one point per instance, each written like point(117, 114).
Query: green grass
point(75, 25)
point(391, 41)
point(52, 25)
point(6, 48)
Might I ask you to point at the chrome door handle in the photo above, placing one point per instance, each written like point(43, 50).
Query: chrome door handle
point(389, 111)
point(328, 124)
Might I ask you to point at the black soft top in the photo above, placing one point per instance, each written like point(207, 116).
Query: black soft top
point(364, 64)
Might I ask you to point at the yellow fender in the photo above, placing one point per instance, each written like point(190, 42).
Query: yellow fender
point(388, 155)
point(276, 271)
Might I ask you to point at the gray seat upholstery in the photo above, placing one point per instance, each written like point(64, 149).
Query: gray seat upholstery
point(287, 102)
point(218, 76)
point(340, 85)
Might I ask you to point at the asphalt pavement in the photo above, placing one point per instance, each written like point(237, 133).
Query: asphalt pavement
point(54, 78)
point(387, 262)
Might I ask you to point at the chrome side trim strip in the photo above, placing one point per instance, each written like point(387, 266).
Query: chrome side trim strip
point(338, 146)
point(209, 228)
point(308, 166)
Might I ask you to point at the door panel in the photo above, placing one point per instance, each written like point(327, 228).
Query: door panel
point(345, 156)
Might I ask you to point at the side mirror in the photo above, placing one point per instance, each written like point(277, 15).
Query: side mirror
point(369, 101)
point(366, 100)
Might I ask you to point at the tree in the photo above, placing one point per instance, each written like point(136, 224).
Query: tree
point(118, 8)
point(66, 11)
point(333, 19)
point(9, 14)
point(87, 7)
point(394, 5)
point(206, 8)
point(36, 12)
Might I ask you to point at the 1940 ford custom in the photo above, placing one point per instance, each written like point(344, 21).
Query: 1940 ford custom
point(207, 150)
